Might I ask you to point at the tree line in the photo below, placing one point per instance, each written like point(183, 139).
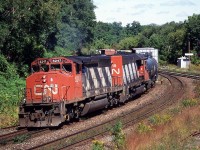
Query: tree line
point(46, 28)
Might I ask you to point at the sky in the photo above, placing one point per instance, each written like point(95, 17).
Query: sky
point(145, 11)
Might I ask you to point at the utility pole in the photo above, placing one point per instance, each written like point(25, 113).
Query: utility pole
point(189, 52)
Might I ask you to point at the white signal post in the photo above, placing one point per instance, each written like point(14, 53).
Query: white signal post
point(189, 54)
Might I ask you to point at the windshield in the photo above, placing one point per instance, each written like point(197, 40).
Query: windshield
point(55, 67)
point(67, 68)
point(35, 68)
point(44, 68)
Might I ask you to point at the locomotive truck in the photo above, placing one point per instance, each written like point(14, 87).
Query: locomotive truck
point(60, 89)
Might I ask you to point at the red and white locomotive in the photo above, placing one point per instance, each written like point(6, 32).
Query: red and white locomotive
point(62, 88)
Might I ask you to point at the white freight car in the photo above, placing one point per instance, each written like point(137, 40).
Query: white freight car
point(153, 51)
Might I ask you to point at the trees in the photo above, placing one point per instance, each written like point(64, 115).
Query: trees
point(193, 31)
point(108, 34)
point(76, 26)
point(30, 28)
point(25, 27)
point(133, 29)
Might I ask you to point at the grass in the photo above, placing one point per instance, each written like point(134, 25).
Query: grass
point(159, 119)
point(118, 136)
point(189, 102)
point(170, 128)
point(195, 69)
point(9, 100)
point(97, 145)
point(167, 130)
point(21, 138)
point(143, 128)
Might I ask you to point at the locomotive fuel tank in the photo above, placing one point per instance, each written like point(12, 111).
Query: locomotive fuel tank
point(152, 68)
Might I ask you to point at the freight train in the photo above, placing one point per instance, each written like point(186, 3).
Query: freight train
point(60, 89)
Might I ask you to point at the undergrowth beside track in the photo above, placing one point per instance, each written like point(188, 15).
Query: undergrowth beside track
point(194, 69)
point(167, 135)
point(170, 129)
point(10, 97)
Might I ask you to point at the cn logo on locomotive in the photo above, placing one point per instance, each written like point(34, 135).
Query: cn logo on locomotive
point(42, 90)
point(115, 69)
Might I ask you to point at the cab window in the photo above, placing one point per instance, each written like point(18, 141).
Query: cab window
point(67, 68)
point(35, 68)
point(44, 68)
point(78, 68)
point(55, 67)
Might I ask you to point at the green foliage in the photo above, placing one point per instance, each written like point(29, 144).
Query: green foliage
point(9, 93)
point(195, 59)
point(193, 30)
point(7, 70)
point(168, 143)
point(100, 44)
point(107, 35)
point(159, 119)
point(21, 138)
point(175, 110)
point(143, 128)
point(76, 25)
point(133, 29)
point(97, 145)
point(129, 43)
point(29, 28)
point(10, 84)
point(118, 136)
point(29, 24)
point(189, 102)
point(59, 51)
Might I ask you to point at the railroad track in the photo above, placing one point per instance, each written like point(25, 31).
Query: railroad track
point(175, 91)
point(19, 135)
point(181, 74)
point(7, 130)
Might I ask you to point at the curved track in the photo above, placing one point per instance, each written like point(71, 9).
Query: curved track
point(20, 134)
point(174, 93)
point(181, 74)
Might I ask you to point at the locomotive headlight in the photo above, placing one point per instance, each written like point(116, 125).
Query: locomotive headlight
point(44, 80)
point(44, 76)
point(24, 101)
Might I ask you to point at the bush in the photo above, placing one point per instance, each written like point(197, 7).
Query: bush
point(159, 119)
point(59, 51)
point(10, 97)
point(97, 145)
point(7, 70)
point(118, 136)
point(189, 102)
point(143, 128)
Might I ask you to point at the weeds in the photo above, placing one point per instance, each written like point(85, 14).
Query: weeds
point(159, 119)
point(143, 128)
point(97, 145)
point(118, 136)
point(189, 102)
point(21, 138)
point(9, 100)
point(175, 110)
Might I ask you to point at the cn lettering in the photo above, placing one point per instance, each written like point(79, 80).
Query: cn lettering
point(52, 89)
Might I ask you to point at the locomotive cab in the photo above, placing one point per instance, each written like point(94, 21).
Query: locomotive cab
point(53, 83)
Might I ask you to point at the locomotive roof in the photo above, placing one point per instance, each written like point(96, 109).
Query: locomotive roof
point(104, 60)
